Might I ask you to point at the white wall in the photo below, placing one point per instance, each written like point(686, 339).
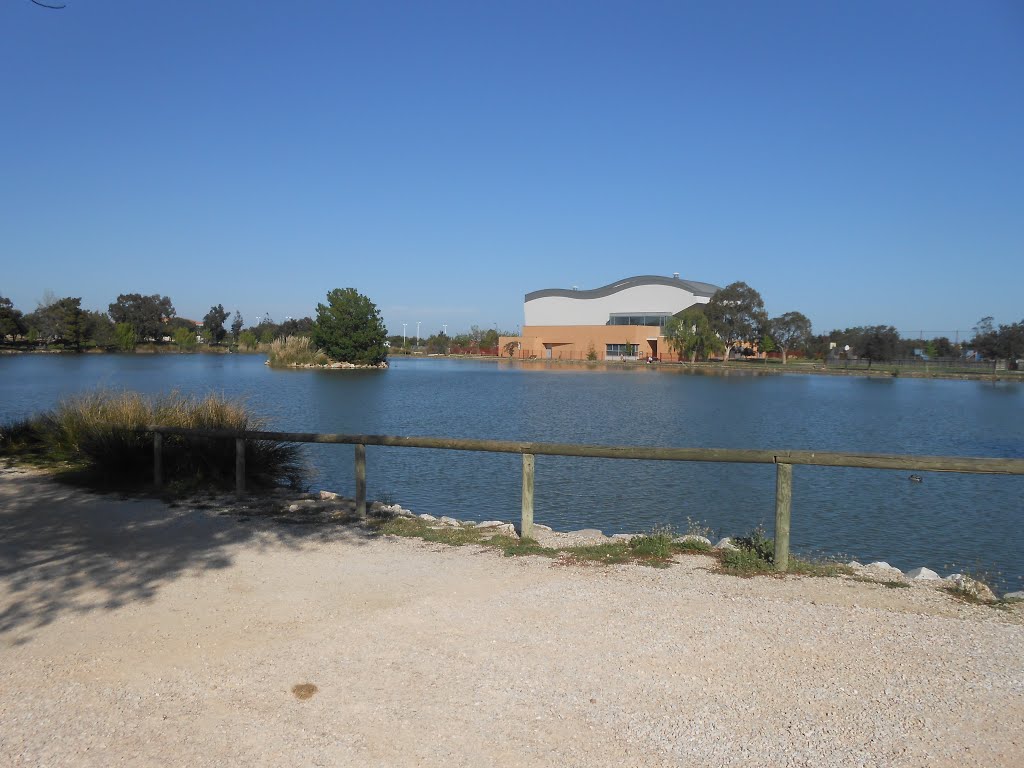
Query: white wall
point(639, 299)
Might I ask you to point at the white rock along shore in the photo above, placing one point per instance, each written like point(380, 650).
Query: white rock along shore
point(137, 633)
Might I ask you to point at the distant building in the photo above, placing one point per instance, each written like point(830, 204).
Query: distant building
point(623, 320)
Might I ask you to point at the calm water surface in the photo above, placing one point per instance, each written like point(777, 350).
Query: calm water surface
point(948, 522)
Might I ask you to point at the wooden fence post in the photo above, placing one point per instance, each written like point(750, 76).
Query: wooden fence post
point(158, 459)
point(526, 525)
point(360, 480)
point(240, 465)
point(783, 499)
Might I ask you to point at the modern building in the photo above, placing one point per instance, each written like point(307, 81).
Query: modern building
point(623, 320)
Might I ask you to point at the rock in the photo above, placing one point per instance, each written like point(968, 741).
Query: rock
point(726, 543)
point(294, 507)
point(971, 587)
point(490, 524)
point(623, 536)
point(328, 495)
point(692, 537)
point(854, 564)
point(1014, 596)
point(428, 518)
point(540, 527)
point(450, 521)
point(923, 574)
point(587, 532)
point(881, 565)
point(503, 529)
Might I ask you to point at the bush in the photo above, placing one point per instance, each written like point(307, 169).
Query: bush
point(295, 350)
point(103, 432)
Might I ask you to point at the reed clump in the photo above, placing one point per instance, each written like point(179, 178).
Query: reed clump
point(103, 434)
point(295, 350)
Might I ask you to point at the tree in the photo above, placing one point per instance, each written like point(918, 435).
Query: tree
point(145, 314)
point(248, 340)
point(213, 324)
point(736, 314)
point(790, 331)
point(12, 321)
point(236, 326)
point(880, 342)
point(125, 337)
point(58, 320)
point(184, 338)
point(98, 328)
point(510, 348)
point(690, 334)
point(349, 328)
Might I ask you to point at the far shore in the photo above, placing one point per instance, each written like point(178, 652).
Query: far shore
point(759, 368)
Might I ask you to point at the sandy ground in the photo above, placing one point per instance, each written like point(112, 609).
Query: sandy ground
point(136, 634)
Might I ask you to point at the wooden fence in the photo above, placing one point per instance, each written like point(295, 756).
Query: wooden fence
point(783, 461)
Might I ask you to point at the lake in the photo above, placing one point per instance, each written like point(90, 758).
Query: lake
point(948, 522)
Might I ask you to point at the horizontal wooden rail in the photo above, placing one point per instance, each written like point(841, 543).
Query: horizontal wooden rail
point(964, 464)
point(784, 461)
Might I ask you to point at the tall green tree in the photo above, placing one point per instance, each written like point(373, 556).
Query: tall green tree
point(349, 328)
point(98, 328)
point(236, 326)
point(213, 324)
point(58, 320)
point(690, 334)
point(12, 321)
point(145, 314)
point(880, 342)
point(791, 330)
point(737, 315)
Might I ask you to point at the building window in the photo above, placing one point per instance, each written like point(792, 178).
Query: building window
point(622, 318)
point(621, 350)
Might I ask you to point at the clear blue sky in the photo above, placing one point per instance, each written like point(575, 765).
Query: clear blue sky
point(860, 162)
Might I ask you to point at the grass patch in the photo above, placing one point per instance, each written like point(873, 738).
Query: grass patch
point(755, 556)
point(896, 584)
point(655, 549)
point(97, 439)
point(295, 350)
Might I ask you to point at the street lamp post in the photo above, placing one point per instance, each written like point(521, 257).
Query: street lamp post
point(417, 334)
point(403, 334)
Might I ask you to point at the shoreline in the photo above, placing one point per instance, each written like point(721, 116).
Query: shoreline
point(707, 368)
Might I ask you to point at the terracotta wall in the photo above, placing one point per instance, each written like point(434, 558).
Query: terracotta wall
point(573, 342)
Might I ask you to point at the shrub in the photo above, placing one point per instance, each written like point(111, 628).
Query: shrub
point(762, 546)
point(103, 431)
point(295, 350)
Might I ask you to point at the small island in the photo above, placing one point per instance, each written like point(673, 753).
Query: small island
point(348, 333)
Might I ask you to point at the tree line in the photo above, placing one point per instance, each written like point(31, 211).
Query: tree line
point(734, 321)
point(348, 326)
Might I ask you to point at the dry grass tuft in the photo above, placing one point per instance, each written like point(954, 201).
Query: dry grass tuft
point(295, 350)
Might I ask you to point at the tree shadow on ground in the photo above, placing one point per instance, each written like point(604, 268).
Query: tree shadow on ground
point(65, 551)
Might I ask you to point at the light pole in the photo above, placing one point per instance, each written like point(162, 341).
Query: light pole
point(403, 334)
point(444, 326)
point(417, 334)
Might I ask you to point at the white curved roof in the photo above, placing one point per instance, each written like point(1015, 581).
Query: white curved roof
point(644, 294)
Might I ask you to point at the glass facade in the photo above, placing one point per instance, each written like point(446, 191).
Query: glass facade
point(621, 318)
point(621, 350)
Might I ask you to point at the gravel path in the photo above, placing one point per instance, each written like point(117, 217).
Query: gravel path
point(136, 634)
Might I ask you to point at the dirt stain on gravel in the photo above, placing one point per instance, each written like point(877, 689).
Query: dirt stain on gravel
point(304, 691)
